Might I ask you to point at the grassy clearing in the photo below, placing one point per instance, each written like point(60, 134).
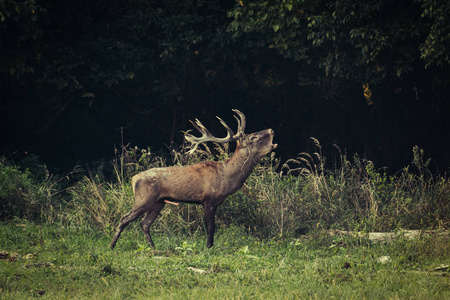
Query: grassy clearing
point(58, 262)
point(271, 243)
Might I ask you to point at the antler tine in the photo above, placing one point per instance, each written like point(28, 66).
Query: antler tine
point(242, 123)
point(200, 127)
point(190, 152)
point(230, 132)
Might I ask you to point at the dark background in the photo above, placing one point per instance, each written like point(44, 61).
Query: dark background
point(78, 77)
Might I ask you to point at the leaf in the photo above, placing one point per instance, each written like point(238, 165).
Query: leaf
point(104, 280)
point(276, 27)
point(243, 250)
point(88, 95)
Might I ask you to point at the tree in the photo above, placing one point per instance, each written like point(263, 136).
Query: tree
point(384, 53)
point(435, 50)
point(20, 36)
point(357, 73)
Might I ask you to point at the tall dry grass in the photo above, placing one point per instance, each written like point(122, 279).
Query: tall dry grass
point(289, 199)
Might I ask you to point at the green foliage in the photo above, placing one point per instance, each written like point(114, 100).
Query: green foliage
point(28, 195)
point(98, 203)
point(143, 43)
point(356, 196)
point(186, 248)
point(150, 65)
point(345, 39)
point(20, 37)
point(352, 196)
point(434, 51)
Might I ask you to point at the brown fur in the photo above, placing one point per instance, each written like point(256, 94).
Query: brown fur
point(207, 183)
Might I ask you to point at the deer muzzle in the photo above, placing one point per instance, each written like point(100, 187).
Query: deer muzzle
point(272, 133)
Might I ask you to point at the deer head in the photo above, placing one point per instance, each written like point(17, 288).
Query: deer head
point(258, 144)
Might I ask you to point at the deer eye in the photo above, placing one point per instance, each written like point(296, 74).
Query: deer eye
point(252, 138)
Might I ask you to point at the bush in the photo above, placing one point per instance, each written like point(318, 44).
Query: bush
point(98, 204)
point(24, 196)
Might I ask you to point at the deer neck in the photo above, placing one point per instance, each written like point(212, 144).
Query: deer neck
point(239, 167)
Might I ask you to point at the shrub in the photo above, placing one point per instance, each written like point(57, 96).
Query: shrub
point(353, 195)
point(25, 195)
point(99, 204)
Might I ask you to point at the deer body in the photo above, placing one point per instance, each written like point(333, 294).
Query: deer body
point(207, 183)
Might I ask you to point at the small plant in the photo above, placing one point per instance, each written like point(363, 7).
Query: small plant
point(418, 161)
point(243, 250)
point(143, 248)
point(186, 248)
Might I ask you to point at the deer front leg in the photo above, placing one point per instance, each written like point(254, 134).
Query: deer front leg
point(210, 213)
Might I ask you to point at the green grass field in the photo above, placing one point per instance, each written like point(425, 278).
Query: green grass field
point(58, 262)
point(273, 240)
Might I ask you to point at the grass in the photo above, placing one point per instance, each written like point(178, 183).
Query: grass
point(58, 262)
point(302, 195)
point(272, 240)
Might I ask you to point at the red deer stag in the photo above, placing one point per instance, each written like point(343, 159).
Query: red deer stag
point(207, 183)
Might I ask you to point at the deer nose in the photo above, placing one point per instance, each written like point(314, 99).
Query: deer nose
point(271, 131)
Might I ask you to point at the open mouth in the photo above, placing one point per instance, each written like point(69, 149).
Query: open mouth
point(274, 146)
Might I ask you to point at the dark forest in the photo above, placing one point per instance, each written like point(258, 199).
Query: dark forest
point(79, 78)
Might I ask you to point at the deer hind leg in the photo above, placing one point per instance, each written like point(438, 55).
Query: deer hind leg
point(125, 220)
point(148, 220)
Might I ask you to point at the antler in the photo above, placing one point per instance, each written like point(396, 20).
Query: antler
point(208, 137)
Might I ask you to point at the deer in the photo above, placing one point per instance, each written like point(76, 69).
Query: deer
point(207, 183)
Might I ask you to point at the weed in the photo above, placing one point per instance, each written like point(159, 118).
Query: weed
point(186, 248)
